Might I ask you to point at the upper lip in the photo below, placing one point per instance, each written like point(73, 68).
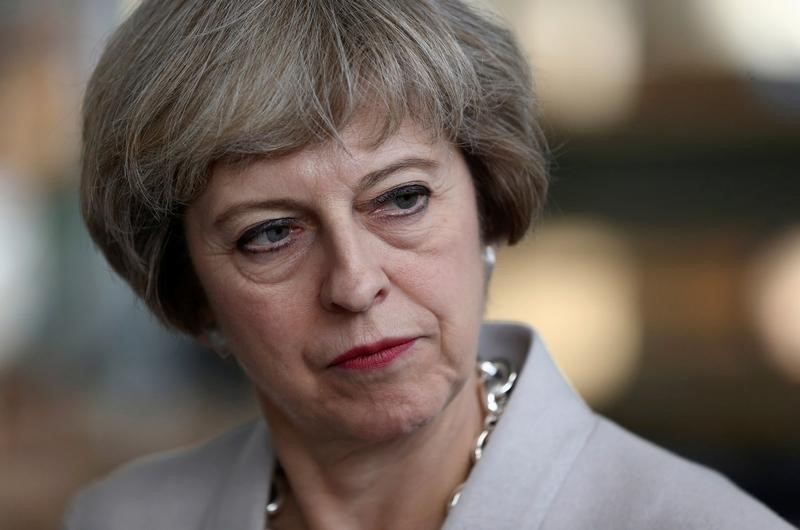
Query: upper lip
point(370, 349)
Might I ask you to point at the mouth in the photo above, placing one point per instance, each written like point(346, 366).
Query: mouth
point(372, 356)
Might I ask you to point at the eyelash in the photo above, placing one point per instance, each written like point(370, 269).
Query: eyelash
point(252, 233)
point(378, 203)
point(417, 190)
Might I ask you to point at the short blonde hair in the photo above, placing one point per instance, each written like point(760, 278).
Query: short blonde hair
point(183, 85)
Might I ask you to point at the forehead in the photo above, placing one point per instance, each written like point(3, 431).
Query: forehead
point(363, 145)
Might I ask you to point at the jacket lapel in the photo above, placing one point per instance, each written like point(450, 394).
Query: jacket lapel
point(242, 492)
point(535, 443)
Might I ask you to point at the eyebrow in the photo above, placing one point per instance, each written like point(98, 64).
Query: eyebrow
point(371, 179)
point(374, 178)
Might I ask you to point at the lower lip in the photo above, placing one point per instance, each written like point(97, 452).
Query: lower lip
point(377, 359)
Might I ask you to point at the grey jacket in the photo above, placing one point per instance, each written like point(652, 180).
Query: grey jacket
point(551, 464)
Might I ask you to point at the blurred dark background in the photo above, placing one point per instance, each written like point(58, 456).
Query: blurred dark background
point(665, 275)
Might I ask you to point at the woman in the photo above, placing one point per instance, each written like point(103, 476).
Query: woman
point(316, 188)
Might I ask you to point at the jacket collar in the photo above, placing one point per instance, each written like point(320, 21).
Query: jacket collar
point(242, 492)
point(533, 447)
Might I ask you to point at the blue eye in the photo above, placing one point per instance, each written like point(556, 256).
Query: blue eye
point(407, 199)
point(276, 233)
point(267, 236)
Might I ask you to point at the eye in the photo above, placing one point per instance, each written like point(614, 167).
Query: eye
point(404, 200)
point(275, 233)
point(268, 236)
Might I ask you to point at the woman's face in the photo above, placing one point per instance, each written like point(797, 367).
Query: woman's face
point(307, 258)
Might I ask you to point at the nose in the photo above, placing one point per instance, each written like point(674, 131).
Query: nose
point(355, 279)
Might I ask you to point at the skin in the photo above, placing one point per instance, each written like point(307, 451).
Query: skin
point(343, 262)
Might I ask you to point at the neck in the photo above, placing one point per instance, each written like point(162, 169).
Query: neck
point(403, 483)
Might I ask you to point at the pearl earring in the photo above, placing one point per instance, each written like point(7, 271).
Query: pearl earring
point(489, 259)
point(218, 342)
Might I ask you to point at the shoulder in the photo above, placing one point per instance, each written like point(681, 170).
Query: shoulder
point(160, 490)
point(621, 481)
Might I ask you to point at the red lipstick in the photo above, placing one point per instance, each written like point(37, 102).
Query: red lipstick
point(372, 356)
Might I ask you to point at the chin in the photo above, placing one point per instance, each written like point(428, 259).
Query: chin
point(399, 417)
point(387, 428)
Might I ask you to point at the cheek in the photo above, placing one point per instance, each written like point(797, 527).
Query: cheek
point(463, 288)
point(265, 325)
point(450, 283)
